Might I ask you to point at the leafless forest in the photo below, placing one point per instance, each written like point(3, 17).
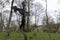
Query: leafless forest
point(28, 17)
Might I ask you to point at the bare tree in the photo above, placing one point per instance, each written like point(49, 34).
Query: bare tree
point(58, 21)
point(28, 15)
point(47, 22)
point(1, 12)
point(39, 9)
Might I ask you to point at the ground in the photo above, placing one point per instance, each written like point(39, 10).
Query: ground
point(34, 35)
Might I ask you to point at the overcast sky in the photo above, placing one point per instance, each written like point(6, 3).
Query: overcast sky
point(52, 4)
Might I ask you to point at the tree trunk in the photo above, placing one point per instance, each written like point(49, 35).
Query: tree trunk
point(28, 17)
point(47, 19)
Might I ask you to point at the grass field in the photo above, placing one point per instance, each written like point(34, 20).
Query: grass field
point(34, 35)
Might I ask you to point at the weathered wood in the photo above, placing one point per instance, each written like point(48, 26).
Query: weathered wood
point(22, 26)
point(7, 30)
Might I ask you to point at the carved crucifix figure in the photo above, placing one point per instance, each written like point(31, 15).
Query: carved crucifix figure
point(23, 12)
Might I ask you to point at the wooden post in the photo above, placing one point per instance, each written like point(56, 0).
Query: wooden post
point(8, 24)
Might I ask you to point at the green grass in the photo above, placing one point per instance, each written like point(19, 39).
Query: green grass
point(34, 35)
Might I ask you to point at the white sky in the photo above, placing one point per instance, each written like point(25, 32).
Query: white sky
point(51, 4)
